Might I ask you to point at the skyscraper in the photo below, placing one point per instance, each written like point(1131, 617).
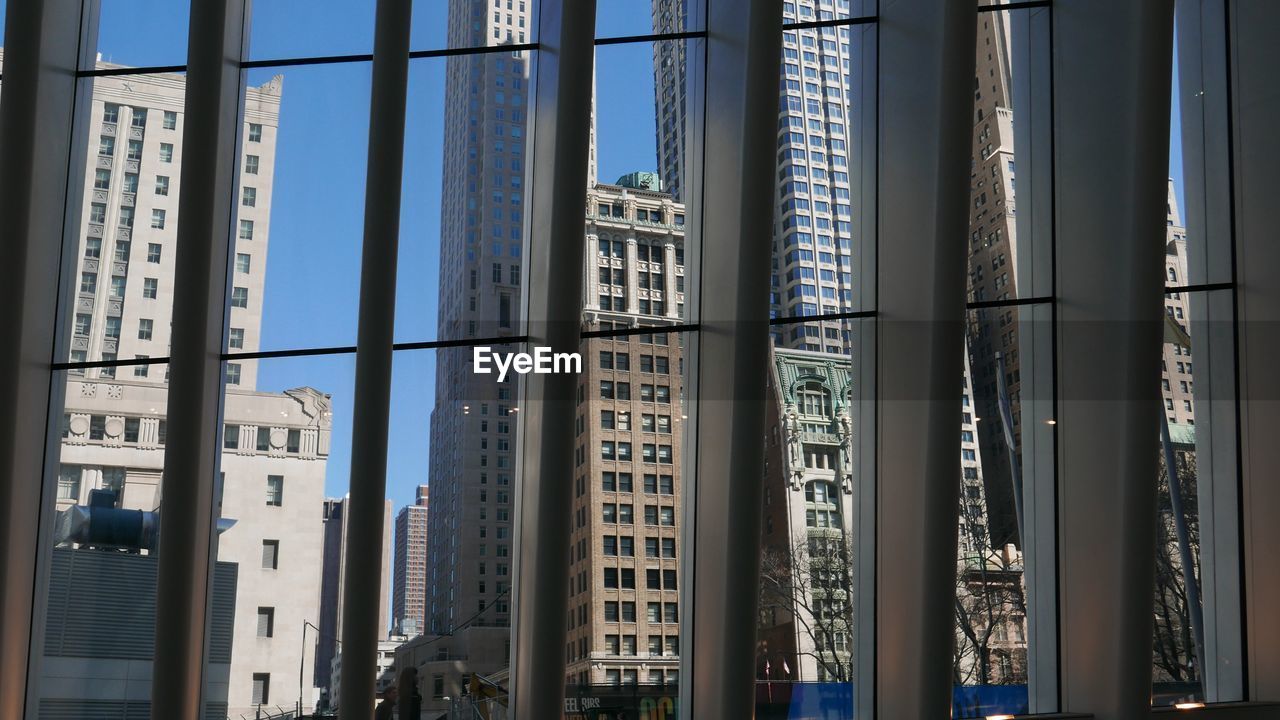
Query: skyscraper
point(481, 235)
point(992, 339)
point(813, 232)
point(124, 283)
point(669, 89)
point(408, 596)
point(623, 623)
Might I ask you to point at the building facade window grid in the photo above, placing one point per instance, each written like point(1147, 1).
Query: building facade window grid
point(1047, 299)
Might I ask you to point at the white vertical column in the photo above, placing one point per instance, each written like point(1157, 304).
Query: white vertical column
point(42, 49)
point(1110, 221)
point(925, 102)
point(669, 293)
point(592, 270)
point(631, 267)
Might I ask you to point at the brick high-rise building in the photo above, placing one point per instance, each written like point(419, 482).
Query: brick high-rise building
point(409, 575)
point(624, 602)
point(993, 266)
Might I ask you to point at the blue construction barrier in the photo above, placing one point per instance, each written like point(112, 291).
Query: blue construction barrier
point(835, 701)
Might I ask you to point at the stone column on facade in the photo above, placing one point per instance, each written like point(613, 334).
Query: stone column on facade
point(633, 277)
point(591, 268)
point(669, 277)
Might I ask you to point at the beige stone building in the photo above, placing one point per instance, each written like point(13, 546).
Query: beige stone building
point(446, 664)
point(1175, 379)
point(275, 448)
point(275, 445)
point(123, 295)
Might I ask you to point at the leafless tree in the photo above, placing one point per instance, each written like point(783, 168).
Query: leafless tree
point(990, 613)
point(1173, 652)
point(810, 581)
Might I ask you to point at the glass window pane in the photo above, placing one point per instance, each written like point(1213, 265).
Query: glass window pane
point(449, 24)
point(1198, 440)
point(806, 624)
point(819, 209)
point(1191, 258)
point(454, 547)
point(1008, 255)
point(1006, 440)
point(303, 151)
point(286, 440)
point(303, 28)
point(123, 272)
point(631, 393)
point(142, 33)
point(1007, 420)
point(100, 607)
point(1197, 627)
point(637, 218)
point(465, 191)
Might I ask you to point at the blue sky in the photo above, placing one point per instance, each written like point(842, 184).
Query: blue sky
point(317, 210)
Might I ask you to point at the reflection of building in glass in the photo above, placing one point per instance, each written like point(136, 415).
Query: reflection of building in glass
point(274, 452)
point(991, 606)
point(408, 599)
point(100, 635)
point(333, 582)
point(991, 619)
point(624, 600)
point(806, 621)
